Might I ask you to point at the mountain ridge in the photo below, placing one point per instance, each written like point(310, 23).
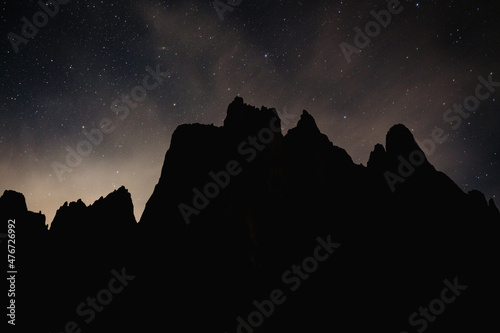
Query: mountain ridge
point(257, 202)
point(399, 141)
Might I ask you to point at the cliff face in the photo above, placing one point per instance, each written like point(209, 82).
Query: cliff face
point(398, 216)
point(302, 166)
point(237, 206)
point(13, 206)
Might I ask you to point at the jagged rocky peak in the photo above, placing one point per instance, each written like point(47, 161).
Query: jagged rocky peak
point(66, 213)
point(307, 123)
point(378, 149)
point(246, 118)
point(400, 141)
point(121, 194)
point(237, 111)
point(478, 198)
point(306, 128)
point(14, 201)
point(190, 133)
point(116, 207)
point(493, 209)
point(117, 204)
point(491, 203)
point(78, 204)
point(13, 207)
point(377, 158)
point(72, 206)
point(305, 142)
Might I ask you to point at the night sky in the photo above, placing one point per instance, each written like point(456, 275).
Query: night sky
point(79, 70)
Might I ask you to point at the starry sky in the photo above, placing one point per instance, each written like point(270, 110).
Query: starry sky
point(77, 71)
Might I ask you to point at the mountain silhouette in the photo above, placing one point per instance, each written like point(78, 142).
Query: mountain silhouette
point(237, 212)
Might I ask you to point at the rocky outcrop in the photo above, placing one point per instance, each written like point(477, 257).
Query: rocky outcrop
point(237, 214)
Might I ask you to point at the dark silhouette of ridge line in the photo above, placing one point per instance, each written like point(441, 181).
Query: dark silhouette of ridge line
point(255, 235)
